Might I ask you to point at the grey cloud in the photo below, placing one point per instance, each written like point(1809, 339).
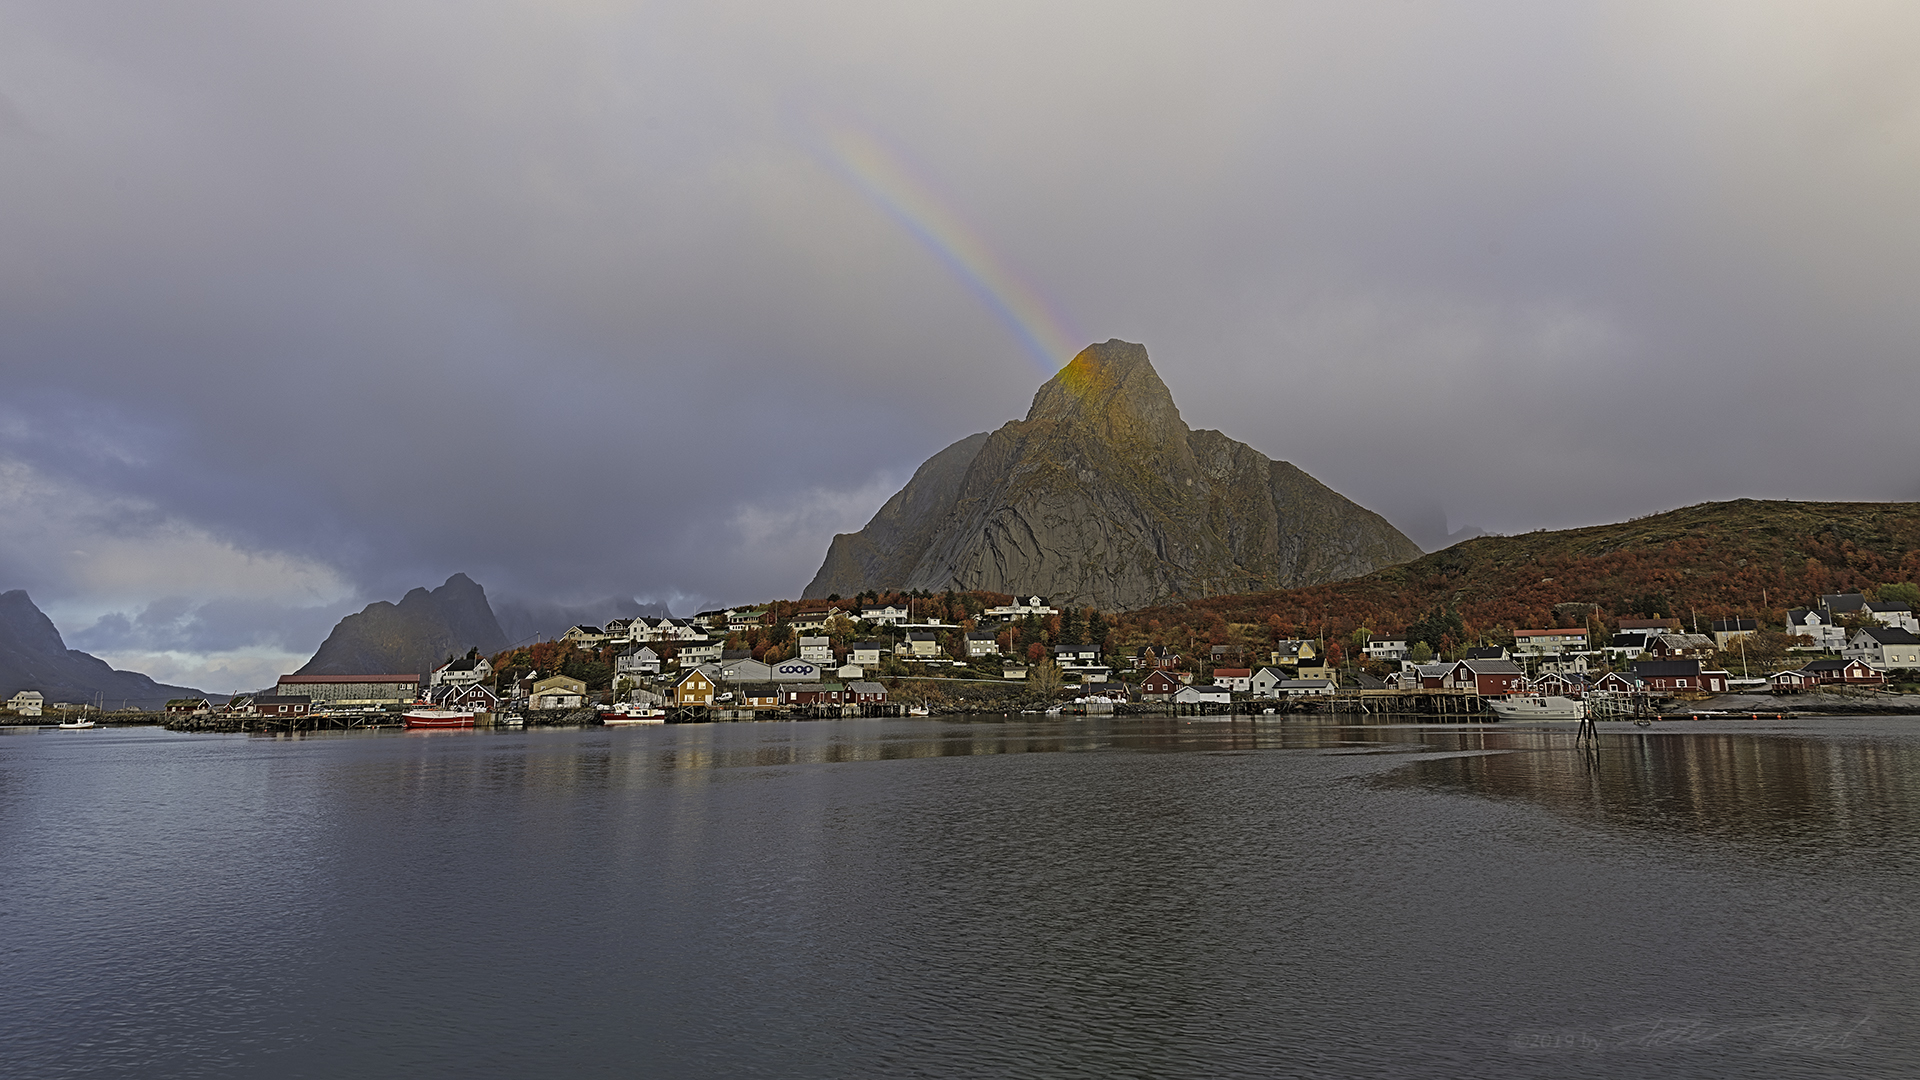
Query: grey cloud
point(573, 299)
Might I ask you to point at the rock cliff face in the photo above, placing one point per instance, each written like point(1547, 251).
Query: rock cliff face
point(1104, 496)
point(33, 656)
point(415, 635)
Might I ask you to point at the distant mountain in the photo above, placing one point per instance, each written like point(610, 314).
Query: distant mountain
point(1104, 496)
point(415, 635)
point(33, 656)
point(525, 620)
point(1745, 558)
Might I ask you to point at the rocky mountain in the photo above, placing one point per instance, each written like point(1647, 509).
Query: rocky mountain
point(1104, 496)
point(33, 656)
point(415, 635)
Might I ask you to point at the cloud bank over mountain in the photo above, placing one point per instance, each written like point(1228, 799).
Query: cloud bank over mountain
point(303, 306)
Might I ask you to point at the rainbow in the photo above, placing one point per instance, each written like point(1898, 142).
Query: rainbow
point(883, 177)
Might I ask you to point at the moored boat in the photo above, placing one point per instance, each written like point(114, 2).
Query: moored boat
point(428, 716)
point(76, 725)
point(1537, 707)
point(625, 715)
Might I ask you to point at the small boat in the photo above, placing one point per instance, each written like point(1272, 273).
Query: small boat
point(1537, 707)
point(625, 715)
point(426, 715)
point(919, 710)
point(75, 725)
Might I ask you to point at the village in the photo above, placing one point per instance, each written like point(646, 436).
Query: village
point(821, 659)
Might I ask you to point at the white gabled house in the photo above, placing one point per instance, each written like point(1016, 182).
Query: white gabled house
point(1202, 695)
point(461, 672)
point(1884, 647)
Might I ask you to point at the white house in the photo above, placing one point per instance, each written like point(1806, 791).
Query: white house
point(1292, 688)
point(884, 616)
point(1237, 680)
point(1202, 695)
point(866, 653)
point(461, 672)
point(1033, 605)
point(1884, 647)
point(1388, 647)
point(26, 703)
point(640, 660)
point(695, 653)
point(1626, 646)
point(1263, 682)
point(818, 650)
point(1827, 636)
point(982, 643)
point(1887, 613)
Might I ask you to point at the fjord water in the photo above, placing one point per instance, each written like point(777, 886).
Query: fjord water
point(986, 898)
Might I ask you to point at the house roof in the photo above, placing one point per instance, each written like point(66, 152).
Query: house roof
point(1829, 664)
point(690, 673)
point(1488, 652)
point(1665, 669)
point(1492, 667)
point(1843, 603)
point(1733, 626)
point(864, 686)
point(1646, 624)
point(1890, 635)
point(1888, 607)
point(1629, 641)
point(1233, 672)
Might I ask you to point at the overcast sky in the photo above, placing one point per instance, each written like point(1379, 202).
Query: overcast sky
point(302, 305)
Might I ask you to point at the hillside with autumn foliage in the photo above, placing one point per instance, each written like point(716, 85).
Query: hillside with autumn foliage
point(1748, 559)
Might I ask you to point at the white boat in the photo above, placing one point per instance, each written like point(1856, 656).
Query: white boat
point(76, 725)
point(919, 710)
point(425, 715)
point(624, 715)
point(1537, 707)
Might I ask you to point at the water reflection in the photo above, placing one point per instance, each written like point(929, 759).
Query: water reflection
point(1850, 783)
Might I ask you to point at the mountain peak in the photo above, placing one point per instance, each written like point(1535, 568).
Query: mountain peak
point(1113, 389)
point(1102, 495)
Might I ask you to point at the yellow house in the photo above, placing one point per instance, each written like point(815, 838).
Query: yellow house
point(557, 692)
point(693, 688)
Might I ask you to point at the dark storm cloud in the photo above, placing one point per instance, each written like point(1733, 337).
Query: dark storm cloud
point(572, 297)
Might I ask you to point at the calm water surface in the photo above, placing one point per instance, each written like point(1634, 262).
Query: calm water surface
point(913, 898)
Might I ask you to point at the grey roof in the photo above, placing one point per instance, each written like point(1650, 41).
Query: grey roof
point(1493, 667)
point(1842, 603)
point(1891, 635)
point(1733, 626)
point(864, 686)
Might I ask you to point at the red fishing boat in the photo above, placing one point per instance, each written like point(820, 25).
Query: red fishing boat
point(425, 714)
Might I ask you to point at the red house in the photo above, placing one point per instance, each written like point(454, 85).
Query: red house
point(1488, 678)
point(1844, 672)
point(1158, 686)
